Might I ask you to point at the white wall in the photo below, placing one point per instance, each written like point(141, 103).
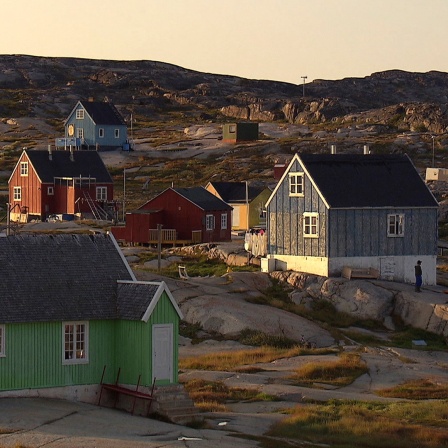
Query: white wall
point(399, 269)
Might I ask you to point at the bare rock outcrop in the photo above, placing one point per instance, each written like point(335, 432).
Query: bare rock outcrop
point(377, 300)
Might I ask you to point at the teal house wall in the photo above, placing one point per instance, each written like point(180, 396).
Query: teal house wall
point(98, 124)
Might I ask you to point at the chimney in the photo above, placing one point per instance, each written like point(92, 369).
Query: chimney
point(72, 157)
point(50, 154)
point(333, 149)
point(366, 149)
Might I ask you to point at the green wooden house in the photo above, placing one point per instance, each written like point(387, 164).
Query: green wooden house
point(70, 305)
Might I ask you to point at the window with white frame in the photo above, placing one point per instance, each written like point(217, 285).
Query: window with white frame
point(50, 191)
point(75, 348)
point(117, 133)
point(2, 341)
point(209, 222)
point(311, 225)
point(101, 193)
point(80, 114)
point(79, 132)
point(101, 132)
point(232, 128)
point(224, 221)
point(395, 225)
point(24, 168)
point(17, 193)
point(296, 184)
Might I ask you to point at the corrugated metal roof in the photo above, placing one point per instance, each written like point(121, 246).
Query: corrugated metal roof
point(368, 180)
point(84, 164)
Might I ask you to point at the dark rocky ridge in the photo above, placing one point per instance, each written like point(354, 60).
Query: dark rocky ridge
point(47, 88)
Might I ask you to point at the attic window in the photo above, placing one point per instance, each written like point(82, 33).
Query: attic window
point(311, 225)
point(80, 114)
point(75, 348)
point(296, 184)
point(24, 168)
point(2, 341)
point(395, 225)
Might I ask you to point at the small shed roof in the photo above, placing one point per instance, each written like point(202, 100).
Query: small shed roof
point(232, 192)
point(60, 164)
point(103, 113)
point(48, 278)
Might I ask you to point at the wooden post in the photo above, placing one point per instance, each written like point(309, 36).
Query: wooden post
point(159, 247)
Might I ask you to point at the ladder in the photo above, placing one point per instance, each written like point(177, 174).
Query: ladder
point(97, 212)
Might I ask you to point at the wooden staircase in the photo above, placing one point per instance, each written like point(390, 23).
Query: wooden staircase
point(174, 403)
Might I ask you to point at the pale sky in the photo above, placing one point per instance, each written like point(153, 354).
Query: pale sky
point(280, 40)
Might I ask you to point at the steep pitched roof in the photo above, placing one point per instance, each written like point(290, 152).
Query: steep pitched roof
point(103, 113)
point(60, 277)
point(232, 192)
point(84, 164)
point(137, 300)
point(203, 198)
point(358, 180)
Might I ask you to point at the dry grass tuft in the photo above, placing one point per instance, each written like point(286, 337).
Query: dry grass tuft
point(370, 425)
point(338, 373)
point(422, 389)
point(231, 361)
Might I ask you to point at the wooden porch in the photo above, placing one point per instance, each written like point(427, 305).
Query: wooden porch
point(169, 236)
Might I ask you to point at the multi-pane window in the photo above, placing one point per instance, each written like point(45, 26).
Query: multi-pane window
point(24, 168)
point(101, 132)
point(209, 222)
point(395, 225)
point(80, 114)
point(311, 225)
point(80, 133)
point(101, 193)
point(17, 193)
point(2, 341)
point(224, 221)
point(117, 133)
point(296, 184)
point(75, 337)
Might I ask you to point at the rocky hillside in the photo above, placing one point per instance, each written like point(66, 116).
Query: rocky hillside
point(48, 87)
point(173, 109)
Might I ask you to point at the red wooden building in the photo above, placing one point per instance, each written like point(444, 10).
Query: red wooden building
point(61, 182)
point(186, 216)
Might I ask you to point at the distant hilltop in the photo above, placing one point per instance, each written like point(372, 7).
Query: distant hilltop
point(47, 88)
